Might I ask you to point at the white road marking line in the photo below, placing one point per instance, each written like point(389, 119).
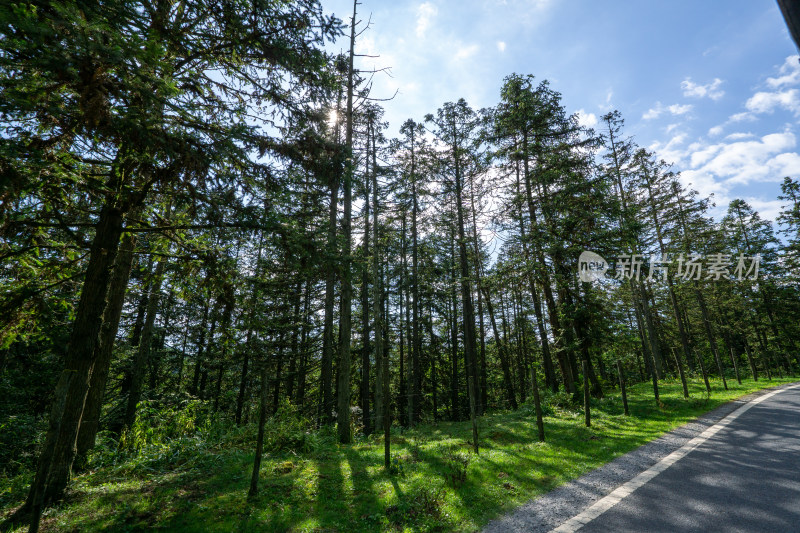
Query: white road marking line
point(604, 504)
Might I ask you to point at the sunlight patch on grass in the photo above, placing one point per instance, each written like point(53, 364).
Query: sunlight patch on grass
point(345, 488)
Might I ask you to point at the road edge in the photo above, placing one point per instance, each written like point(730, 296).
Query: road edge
point(557, 508)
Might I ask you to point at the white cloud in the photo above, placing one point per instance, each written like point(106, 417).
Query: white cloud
point(741, 159)
point(588, 120)
point(672, 151)
point(704, 155)
point(752, 160)
point(694, 90)
point(766, 102)
point(789, 73)
point(410, 87)
point(425, 13)
point(652, 113)
point(607, 106)
point(768, 209)
point(676, 109)
point(465, 52)
point(741, 117)
point(660, 109)
point(501, 46)
point(724, 164)
point(738, 136)
point(704, 183)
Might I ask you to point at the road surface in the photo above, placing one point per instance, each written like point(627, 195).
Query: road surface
point(745, 476)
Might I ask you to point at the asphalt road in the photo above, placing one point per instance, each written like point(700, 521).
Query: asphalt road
point(746, 477)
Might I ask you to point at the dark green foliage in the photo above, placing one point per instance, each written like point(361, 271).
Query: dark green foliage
point(396, 467)
point(456, 463)
point(421, 506)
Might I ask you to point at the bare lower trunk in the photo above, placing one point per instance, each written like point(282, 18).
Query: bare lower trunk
point(58, 453)
point(90, 420)
point(143, 352)
point(262, 420)
point(502, 352)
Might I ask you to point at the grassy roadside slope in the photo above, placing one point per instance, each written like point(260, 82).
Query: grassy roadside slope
point(199, 484)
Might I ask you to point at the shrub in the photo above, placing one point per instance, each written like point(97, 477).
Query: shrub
point(552, 402)
point(415, 450)
point(156, 423)
point(288, 430)
point(420, 506)
point(19, 436)
point(455, 470)
point(396, 466)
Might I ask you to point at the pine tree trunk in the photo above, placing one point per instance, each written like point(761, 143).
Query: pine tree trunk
point(141, 308)
point(301, 374)
point(750, 360)
point(416, 341)
point(404, 326)
point(59, 449)
point(681, 374)
point(709, 332)
point(501, 350)
point(345, 324)
point(240, 397)
point(699, 359)
point(517, 322)
point(364, 388)
point(381, 392)
point(381, 352)
point(143, 352)
point(201, 343)
point(735, 366)
point(433, 355)
point(454, 404)
point(326, 364)
point(673, 298)
point(482, 390)
point(566, 371)
point(467, 309)
point(179, 381)
point(90, 419)
point(295, 344)
point(262, 420)
point(587, 414)
point(621, 376)
point(227, 338)
point(155, 362)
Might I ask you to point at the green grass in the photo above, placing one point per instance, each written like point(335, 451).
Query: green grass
point(345, 488)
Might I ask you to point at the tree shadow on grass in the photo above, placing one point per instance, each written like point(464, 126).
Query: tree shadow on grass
point(200, 499)
point(332, 506)
point(365, 501)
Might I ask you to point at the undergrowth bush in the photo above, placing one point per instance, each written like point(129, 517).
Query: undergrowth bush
point(19, 438)
point(396, 467)
point(421, 506)
point(289, 430)
point(455, 467)
point(14, 489)
point(157, 423)
point(552, 402)
point(179, 432)
point(168, 433)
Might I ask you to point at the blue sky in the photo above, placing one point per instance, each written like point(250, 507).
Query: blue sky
point(712, 87)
